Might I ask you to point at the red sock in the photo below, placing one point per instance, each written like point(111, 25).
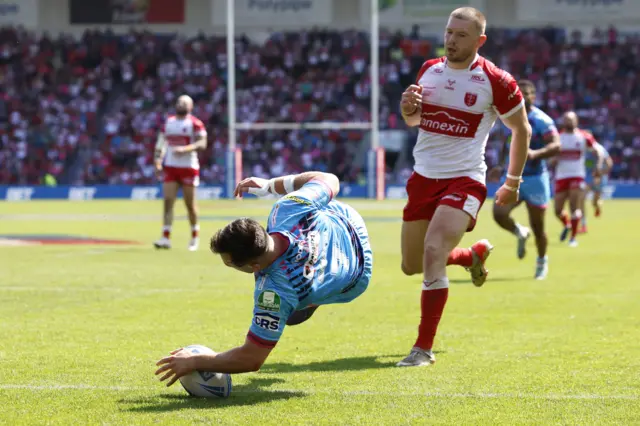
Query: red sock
point(432, 306)
point(166, 232)
point(564, 218)
point(575, 223)
point(460, 256)
point(195, 229)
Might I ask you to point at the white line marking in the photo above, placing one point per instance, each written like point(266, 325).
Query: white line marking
point(480, 395)
point(96, 289)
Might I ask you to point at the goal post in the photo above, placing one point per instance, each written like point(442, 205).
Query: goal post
point(375, 158)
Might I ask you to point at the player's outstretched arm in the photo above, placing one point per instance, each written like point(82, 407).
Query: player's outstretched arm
point(285, 184)
point(199, 145)
point(520, 128)
point(243, 359)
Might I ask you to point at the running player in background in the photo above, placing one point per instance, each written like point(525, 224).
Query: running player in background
point(455, 103)
point(571, 172)
point(595, 185)
point(181, 138)
point(315, 251)
point(535, 189)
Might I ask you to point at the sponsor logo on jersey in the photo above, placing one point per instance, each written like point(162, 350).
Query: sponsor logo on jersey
point(267, 321)
point(438, 70)
point(297, 200)
point(449, 121)
point(269, 301)
point(477, 79)
point(470, 99)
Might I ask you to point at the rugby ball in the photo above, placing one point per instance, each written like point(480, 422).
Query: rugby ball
point(203, 383)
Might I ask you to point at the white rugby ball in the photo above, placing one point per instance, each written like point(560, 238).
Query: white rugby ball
point(203, 383)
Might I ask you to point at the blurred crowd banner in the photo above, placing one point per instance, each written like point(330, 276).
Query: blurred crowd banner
point(274, 13)
point(557, 11)
point(126, 11)
point(19, 12)
point(214, 192)
point(393, 11)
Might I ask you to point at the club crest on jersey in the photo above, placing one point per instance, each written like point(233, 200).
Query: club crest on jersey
point(470, 99)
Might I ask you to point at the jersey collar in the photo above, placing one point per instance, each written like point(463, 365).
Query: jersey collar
point(475, 63)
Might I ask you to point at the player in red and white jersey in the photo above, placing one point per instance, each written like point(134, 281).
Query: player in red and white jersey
point(182, 136)
point(571, 172)
point(455, 103)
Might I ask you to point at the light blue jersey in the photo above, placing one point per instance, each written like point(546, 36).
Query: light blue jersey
point(535, 190)
point(329, 260)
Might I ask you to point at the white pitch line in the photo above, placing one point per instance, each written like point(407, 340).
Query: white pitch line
point(97, 289)
point(480, 395)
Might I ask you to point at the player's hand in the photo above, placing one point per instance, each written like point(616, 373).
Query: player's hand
point(495, 173)
point(505, 196)
point(178, 364)
point(532, 155)
point(158, 170)
point(411, 99)
point(597, 173)
point(252, 185)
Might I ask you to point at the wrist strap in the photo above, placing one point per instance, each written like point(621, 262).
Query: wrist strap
point(511, 188)
point(518, 178)
point(288, 183)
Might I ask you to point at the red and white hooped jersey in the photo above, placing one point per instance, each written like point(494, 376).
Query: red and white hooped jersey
point(459, 108)
point(179, 132)
point(572, 156)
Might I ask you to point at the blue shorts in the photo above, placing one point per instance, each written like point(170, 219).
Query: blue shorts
point(360, 285)
point(535, 190)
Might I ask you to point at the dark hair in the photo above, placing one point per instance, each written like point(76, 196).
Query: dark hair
point(527, 83)
point(243, 239)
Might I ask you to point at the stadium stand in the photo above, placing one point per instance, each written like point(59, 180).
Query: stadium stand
point(88, 110)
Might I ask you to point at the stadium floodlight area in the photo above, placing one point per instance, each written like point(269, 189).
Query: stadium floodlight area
point(375, 158)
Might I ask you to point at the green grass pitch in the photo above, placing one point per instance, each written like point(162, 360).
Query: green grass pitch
point(82, 326)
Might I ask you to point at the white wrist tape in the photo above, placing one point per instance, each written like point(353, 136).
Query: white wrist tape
point(263, 191)
point(288, 183)
point(518, 178)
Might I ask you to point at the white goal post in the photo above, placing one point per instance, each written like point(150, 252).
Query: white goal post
point(375, 158)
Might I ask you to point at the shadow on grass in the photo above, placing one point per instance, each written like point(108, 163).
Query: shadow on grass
point(491, 279)
point(344, 364)
point(253, 393)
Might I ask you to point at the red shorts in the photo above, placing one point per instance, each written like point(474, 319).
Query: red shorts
point(182, 175)
point(425, 195)
point(563, 185)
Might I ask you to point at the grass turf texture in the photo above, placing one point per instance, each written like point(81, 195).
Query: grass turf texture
point(81, 328)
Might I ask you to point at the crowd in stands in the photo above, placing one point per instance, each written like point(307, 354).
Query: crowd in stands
point(110, 94)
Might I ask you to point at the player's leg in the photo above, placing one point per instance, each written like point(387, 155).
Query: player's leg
point(502, 216)
point(445, 232)
point(575, 198)
point(583, 220)
point(536, 220)
point(169, 193)
point(412, 245)
point(597, 195)
point(189, 193)
point(559, 200)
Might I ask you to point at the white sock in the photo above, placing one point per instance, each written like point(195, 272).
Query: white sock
point(520, 230)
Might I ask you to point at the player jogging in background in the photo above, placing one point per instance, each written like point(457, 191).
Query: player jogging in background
point(455, 103)
point(535, 189)
point(595, 184)
point(571, 172)
point(314, 251)
point(182, 136)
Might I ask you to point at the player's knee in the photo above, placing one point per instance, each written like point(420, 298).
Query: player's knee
point(432, 252)
point(577, 214)
point(411, 269)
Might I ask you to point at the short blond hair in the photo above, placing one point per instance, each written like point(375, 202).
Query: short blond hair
point(471, 14)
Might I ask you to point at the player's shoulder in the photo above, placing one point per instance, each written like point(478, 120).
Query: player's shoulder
point(170, 118)
point(539, 115)
point(435, 63)
point(495, 74)
point(195, 120)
